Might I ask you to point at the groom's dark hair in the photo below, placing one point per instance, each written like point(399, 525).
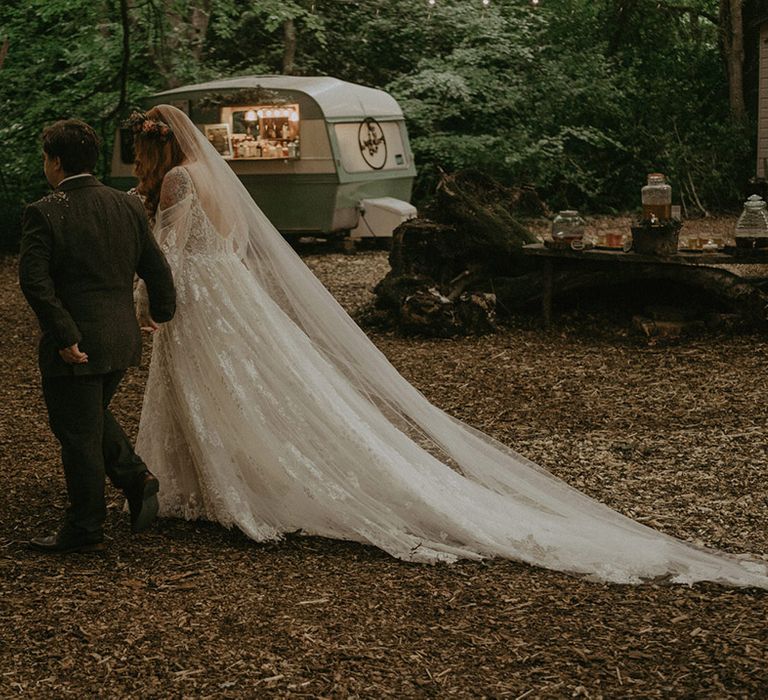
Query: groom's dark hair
point(75, 143)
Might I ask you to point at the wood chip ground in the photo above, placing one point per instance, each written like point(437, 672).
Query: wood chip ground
point(673, 436)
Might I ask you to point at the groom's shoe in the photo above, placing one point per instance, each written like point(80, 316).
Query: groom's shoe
point(64, 543)
point(142, 501)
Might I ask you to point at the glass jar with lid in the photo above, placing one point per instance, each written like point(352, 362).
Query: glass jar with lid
point(752, 226)
point(656, 196)
point(568, 227)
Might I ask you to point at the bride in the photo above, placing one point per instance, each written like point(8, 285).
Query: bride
point(269, 409)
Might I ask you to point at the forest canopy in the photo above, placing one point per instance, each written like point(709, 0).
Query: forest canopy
point(576, 98)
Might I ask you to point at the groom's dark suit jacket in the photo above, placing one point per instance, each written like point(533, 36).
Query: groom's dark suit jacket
point(80, 248)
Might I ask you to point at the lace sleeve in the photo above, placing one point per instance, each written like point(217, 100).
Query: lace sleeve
point(177, 185)
point(171, 224)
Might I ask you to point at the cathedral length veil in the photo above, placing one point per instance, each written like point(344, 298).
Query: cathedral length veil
point(547, 523)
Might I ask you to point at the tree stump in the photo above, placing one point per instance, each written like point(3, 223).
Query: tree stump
point(436, 266)
point(428, 312)
point(482, 208)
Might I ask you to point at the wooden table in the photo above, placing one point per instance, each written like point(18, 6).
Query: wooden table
point(550, 256)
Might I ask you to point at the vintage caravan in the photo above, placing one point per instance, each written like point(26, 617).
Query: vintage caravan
point(320, 156)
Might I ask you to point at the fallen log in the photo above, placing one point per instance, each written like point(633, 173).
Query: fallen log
point(704, 284)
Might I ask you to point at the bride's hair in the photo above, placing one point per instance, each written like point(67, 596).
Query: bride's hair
point(157, 151)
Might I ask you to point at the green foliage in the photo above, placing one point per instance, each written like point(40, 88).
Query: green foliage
point(247, 38)
point(507, 96)
point(577, 98)
point(44, 79)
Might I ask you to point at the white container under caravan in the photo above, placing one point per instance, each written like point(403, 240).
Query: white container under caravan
point(380, 216)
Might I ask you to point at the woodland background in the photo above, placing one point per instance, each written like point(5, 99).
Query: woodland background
point(577, 98)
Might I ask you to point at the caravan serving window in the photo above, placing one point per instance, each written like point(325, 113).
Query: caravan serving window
point(263, 131)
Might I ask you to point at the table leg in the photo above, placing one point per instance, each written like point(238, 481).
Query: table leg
point(546, 294)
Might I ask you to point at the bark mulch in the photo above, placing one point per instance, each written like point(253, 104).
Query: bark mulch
point(671, 435)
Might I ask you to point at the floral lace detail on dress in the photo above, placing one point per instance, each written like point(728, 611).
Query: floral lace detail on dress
point(199, 236)
point(268, 409)
point(247, 424)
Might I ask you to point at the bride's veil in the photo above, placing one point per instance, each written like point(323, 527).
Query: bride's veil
point(285, 277)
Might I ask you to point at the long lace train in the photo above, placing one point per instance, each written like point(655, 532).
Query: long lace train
point(275, 413)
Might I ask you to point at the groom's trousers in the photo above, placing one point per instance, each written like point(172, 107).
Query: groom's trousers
point(92, 444)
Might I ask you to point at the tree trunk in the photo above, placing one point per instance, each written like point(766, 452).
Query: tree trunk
point(619, 14)
point(3, 51)
point(187, 35)
point(122, 99)
point(289, 46)
point(732, 33)
point(125, 60)
point(198, 28)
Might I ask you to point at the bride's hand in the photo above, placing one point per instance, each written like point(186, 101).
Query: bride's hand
point(146, 322)
point(141, 301)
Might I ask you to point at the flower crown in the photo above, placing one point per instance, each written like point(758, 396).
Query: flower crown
point(140, 124)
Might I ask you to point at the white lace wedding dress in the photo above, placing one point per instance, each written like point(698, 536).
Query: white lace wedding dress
point(266, 411)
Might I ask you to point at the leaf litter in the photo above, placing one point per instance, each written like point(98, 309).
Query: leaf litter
point(670, 435)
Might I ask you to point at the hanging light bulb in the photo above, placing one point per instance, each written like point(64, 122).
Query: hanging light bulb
point(486, 2)
point(534, 2)
point(431, 2)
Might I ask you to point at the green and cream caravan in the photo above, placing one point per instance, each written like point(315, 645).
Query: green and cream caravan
point(320, 156)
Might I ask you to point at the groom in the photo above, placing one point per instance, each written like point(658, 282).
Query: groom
point(80, 248)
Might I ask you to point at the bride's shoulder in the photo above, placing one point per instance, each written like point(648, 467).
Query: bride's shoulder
point(177, 184)
point(177, 173)
point(178, 178)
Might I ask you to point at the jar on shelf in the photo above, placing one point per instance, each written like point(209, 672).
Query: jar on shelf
point(568, 227)
point(656, 196)
point(752, 226)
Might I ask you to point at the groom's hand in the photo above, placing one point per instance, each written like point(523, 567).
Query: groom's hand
point(150, 326)
point(73, 355)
